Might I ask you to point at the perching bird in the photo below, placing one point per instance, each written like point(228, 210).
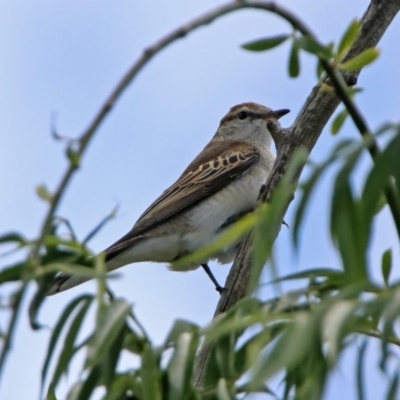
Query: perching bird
point(218, 187)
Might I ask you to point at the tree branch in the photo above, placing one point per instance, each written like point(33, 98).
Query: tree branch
point(305, 132)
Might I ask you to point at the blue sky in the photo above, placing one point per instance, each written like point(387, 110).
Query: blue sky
point(65, 57)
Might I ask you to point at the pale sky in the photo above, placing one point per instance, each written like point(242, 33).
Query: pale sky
point(65, 57)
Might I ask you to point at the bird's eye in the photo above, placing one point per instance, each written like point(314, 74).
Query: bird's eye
point(243, 115)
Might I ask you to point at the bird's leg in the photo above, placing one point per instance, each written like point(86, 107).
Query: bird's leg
point(218, 287)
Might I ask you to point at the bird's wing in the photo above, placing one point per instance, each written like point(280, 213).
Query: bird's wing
point(216, 166)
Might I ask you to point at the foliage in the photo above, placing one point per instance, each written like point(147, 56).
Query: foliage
point(299, 336)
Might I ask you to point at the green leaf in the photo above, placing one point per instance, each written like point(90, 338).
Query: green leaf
point(68, 348)
point(90, 383)
point(73, 156)
point(339, 121)
point(180, 367)
point(180, 326)
point(265, 44)
point(310, 45)
point(51, 394)
point(150, 374)
point(294, 62)
point(222, 390)
point(13, 237)
point(349, 227)
point(269, 217)
point(360, 371)
point(232, 235)
point(363, 59)
point(43, 192)
point(394, 383)
point(112, 321)
point(386, 265)
point(13, 273)
point(84, 300)
point(348, 39)
point(311, 274)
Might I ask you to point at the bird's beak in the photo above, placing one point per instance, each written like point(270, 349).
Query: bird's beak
point(276, 114)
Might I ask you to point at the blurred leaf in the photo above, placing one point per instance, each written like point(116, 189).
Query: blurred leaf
point(339, 121)
point(232, 235)
point(89, 384)
point(112, 321)
point(51, 394)
point(13, 237)
point(224, 356)
point(247, 354)
point(43, 192)
point(73, 156)
point(13, 273)
point(363, 59)
point(180, 367)
point(222, 390)
point(335, 319)
point(68, 348)
point(121, 386)
point(288, 349)
point(311, 273)
point(294, 62)
point(150, 374)
point(391, 154)
point(269, 217)
point(110, 359)
point(360, 371)
point(310, 45)
point(265, 44)
point(180, 326)
point(85, 300)
point(348, 39)
point(392, 393)
point(320, 69)
point(348, 225)
point(386, 265)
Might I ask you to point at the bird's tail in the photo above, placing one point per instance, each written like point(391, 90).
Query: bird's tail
point(64, 282)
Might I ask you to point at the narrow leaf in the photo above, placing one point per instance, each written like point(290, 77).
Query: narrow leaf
point(85, 299)
point(108, 330)
point(386, 265)
point(68, 349)
point(150, 374)
point(360, 371)
point(43, 192)
point(348, 38)
point(363, 59)
point(13, 237)
point(294, 62)
point(339, 121)
point(310, 45)
point(265, 44)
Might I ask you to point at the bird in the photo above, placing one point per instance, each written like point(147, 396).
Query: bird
point(217, 188)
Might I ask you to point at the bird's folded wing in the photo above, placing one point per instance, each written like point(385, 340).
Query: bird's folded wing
point(218, 165)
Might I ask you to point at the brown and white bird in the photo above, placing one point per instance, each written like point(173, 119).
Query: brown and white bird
point(218, 187)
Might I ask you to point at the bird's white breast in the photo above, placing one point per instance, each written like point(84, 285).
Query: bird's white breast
point(238, 197)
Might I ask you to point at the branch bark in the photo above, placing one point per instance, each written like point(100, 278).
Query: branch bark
point(318, 108)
